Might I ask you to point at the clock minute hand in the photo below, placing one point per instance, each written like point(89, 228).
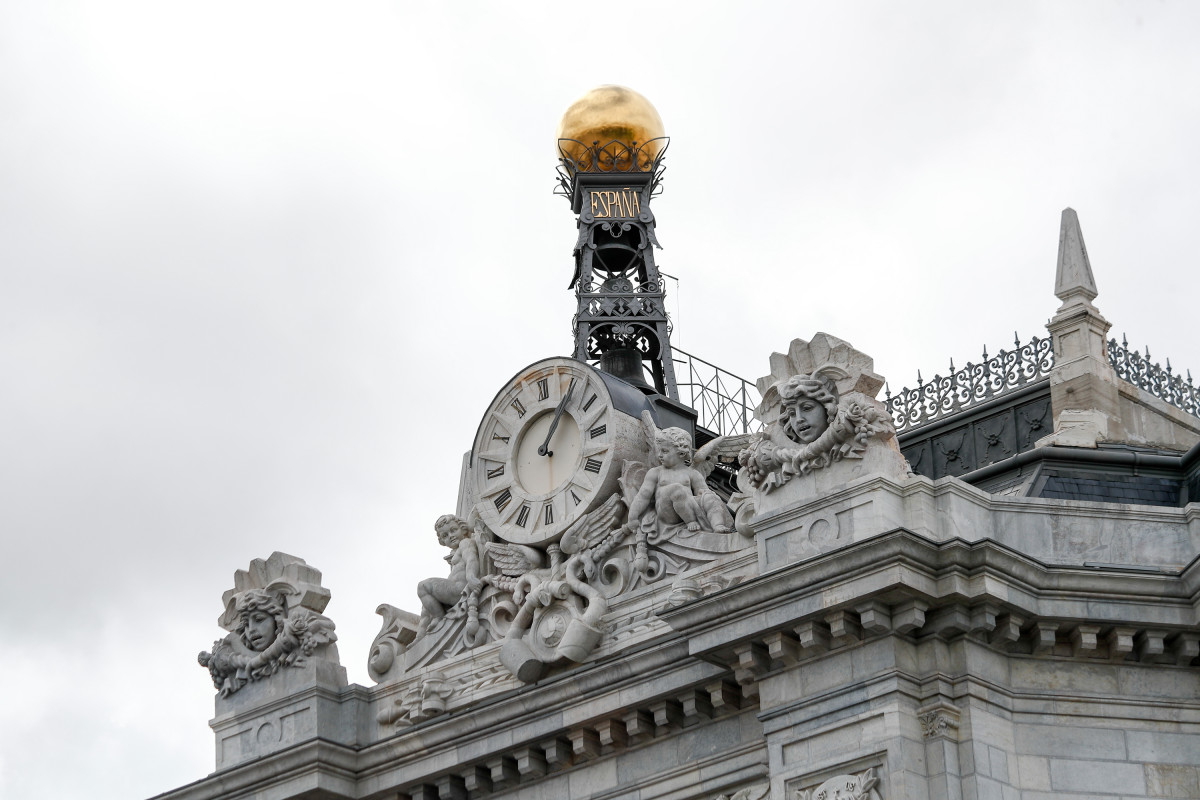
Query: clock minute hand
point(558, 411)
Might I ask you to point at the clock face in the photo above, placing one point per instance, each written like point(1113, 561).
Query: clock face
point(544, 454)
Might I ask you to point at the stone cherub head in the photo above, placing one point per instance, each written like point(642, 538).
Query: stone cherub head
point(673, 446)
point(451, 529)
point(809, 404)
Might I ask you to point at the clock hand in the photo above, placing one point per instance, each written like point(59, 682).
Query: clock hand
point(558, 411)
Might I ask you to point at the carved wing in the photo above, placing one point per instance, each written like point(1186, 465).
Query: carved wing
point(651, 431)
point(632, 476)
point(724, 449)
point(482, 536)
point(594, 526)
point(515, 560)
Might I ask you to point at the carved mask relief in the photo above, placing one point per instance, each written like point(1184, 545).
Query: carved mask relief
point(259, 612)
point(805, 408)
point(260, 630)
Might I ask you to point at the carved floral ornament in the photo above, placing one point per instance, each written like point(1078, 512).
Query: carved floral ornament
point(845, 787)
point(274, 621)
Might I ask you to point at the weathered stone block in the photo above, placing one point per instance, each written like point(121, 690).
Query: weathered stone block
point(1172, 780)
point(1102, 777)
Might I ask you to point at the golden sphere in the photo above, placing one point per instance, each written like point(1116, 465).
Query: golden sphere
point(609, 113)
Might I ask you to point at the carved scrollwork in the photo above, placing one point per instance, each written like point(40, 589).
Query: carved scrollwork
point(398, 631)
point(1164, 384)
point(969, 386)
point(560, 610)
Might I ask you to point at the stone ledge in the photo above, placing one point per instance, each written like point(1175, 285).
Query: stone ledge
point(315, 768)
point(903, 584)
point(1049, 530)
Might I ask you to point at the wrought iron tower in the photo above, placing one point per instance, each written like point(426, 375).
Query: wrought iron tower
point(621, 320)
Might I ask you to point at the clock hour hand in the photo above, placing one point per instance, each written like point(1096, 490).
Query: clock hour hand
point(558, 411)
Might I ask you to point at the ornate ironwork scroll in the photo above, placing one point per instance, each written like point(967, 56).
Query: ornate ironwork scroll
point(614, 157)
point(963, 388)
point(724, 403)
point(1133, 367)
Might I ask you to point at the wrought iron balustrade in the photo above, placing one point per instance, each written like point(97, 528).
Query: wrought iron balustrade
point(1132, 367)
point(723, 402)
point(973, 384)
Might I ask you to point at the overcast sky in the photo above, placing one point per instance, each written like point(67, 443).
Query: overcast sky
point(263, 267)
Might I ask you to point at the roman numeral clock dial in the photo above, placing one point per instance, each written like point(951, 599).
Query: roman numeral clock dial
point(547, 451)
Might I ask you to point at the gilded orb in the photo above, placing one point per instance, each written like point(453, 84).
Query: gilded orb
point(609, 113)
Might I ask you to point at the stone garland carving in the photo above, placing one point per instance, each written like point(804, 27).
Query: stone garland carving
point(274, 621)
point(824, 427)
point(845, 787)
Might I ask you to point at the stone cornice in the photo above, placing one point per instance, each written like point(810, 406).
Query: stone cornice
point(900, 582)
point(316, 767)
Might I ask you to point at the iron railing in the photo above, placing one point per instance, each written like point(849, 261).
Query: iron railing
point(973, 384)
point(1132, 367)
point(724, 403)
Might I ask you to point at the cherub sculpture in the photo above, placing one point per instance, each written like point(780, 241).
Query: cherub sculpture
point(438, 595)
point(676, 490)
point(670, 502)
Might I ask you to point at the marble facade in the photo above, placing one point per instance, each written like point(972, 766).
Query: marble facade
point(865, 633)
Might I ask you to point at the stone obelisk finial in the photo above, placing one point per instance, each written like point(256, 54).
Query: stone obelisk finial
point(1083, 385)
point(1073, 282)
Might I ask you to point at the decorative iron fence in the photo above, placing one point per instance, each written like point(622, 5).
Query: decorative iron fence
point(973, 384)
point(1133, 367)
point(724, 403)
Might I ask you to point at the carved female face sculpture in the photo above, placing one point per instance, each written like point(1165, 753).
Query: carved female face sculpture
point(806, 420)
point(808, 404)
point(261, 613)
point(260, 630)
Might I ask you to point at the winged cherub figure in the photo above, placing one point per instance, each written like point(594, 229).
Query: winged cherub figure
point(439, 594)
point(674, 488)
